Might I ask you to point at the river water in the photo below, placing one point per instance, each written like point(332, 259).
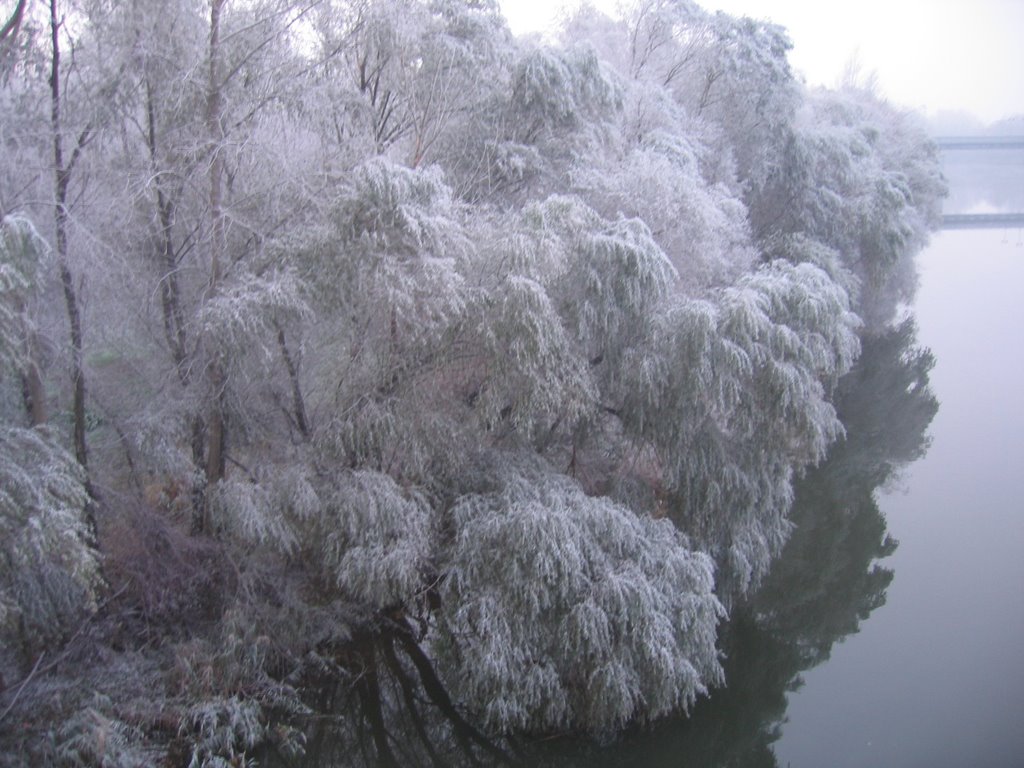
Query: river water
point(936, 676)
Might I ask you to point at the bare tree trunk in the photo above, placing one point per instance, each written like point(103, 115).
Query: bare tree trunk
point(170, 292)
point(32, 391)
point(215, 432)
point(298, 403)
point(62, 179)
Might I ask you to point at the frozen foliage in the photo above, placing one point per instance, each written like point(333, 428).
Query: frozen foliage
point(736, 399)
point(390, 260)
point(264, 513)
point(607, 280)
point(23, 261)
point(471, 359)
point(701, 226)
point(554, 90)
point(417, 69)
point(373, 539)
point(369, 538)
point(729, 76)
point(746, 91)
point(534, 377)
point(562, 610)
point(553, 108)
point(389, 286)
point(223, 731)
point(570, 294)
point(48, 569)
point(617, 276)
point(862, 178)
point(92, 737)
point(243, 316)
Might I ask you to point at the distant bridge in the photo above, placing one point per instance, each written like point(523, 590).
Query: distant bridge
point(983, 221)
point(979, 142)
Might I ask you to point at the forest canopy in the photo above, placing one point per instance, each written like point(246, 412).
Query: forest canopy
point(358, 358)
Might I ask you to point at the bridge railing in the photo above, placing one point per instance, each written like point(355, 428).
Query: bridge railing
point(979, 142)
point(982, 220)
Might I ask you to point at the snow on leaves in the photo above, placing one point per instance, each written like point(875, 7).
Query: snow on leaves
point(568, 611)
point(374, 538)
point(48, 567)
point(246, 312)
point(393, 253)
point(554, 90)
point(24, 257)
point(749, 367)
point(533, 376)
point(862, 179)
point(701, 226)
point(632, 290)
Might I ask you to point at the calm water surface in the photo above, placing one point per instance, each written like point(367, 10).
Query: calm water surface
point(936, 676)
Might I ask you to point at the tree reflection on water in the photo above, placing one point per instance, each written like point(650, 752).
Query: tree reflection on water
point(827, 581)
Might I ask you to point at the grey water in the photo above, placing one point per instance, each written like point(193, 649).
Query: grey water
point(935, 677)
point(984, 181)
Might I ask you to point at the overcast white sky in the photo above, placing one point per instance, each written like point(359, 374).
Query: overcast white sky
point(934, 55)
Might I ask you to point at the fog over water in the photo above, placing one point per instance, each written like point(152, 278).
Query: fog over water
point(935, 677)
point(984, 181)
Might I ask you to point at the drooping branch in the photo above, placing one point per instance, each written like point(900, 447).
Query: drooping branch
point(465, 733)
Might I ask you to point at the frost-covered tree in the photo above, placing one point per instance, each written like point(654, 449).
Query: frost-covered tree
point(861, 178)
point(386, 277)
point(49, 567)
point(209, 179)
point(747, 93)
point(658, 179)
point(24, 259)
point(562, 610)
point(52, 121)
point(547, 109)
point(476, 373)
point(733, 396)
point(415, 69)
point(49, 571)
point(729, 75)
